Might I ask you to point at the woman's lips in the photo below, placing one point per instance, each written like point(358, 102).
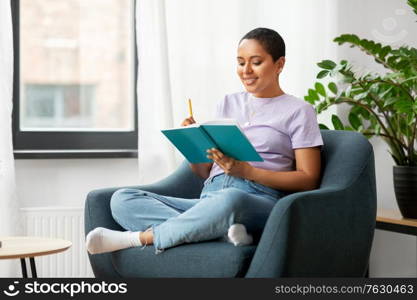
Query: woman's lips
point(249, 81)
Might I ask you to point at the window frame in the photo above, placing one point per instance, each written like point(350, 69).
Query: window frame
point(69, 144)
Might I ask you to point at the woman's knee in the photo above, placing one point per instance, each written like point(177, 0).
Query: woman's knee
point(119, 199)
point(235, 198)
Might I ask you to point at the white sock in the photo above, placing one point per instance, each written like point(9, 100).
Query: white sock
point(238, 236)
point(101, 240)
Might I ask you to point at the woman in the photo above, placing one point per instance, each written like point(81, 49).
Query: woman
point(237, 196)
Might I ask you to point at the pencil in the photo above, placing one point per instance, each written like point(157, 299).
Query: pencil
point(190, 107)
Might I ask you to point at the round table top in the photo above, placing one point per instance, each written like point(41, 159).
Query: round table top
point(28, 246)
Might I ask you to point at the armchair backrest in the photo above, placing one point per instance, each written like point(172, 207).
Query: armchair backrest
point(344, 156)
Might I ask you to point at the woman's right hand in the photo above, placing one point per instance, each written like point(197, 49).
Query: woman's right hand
point(201, 169)
point(188, 121)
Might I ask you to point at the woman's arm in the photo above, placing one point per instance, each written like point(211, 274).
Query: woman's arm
point(305, 177)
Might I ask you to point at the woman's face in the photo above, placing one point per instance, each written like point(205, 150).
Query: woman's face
point(257, 70)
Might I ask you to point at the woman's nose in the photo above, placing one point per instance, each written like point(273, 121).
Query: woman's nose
point(247, 69)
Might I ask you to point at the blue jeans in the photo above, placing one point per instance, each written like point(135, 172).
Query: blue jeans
point(225, 200)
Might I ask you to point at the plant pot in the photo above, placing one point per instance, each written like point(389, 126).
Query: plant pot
point(405, 186)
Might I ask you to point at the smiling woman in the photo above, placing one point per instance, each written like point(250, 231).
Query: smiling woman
point(261, 58)
point(237, 196)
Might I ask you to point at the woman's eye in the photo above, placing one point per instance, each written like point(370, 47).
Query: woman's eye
point(257, 63)
point(241, 64)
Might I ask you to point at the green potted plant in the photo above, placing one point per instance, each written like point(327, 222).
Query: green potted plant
point(382, 105)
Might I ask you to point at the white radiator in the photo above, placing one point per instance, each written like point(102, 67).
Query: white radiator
point(64, 223)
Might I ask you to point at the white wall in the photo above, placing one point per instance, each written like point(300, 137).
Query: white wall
point(388, 22)
point(66, 182)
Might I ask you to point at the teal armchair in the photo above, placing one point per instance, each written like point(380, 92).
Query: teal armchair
point(326, 232)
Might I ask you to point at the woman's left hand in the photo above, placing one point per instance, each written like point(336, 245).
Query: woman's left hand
point(229, 165)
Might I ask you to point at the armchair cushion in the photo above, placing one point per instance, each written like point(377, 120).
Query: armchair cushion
point(194, 260)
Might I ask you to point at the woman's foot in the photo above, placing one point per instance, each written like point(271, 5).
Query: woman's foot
point(102, 240)
point(238, 236)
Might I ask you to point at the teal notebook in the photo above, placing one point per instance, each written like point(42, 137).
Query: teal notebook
point(194, 140)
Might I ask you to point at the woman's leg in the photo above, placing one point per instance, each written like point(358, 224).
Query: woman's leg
point(135, 211)
point(212, 216)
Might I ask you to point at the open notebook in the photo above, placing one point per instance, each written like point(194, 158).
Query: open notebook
point(226, 135)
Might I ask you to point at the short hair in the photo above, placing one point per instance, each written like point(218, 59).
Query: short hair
point(270, 40)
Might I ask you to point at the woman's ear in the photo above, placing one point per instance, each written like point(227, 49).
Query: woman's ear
point(280, 64)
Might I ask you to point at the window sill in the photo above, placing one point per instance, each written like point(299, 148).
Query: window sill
point(79, 153)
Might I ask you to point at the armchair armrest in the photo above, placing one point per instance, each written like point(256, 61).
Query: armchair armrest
point(319, 233)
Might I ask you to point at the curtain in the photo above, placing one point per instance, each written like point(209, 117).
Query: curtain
point(154, 91)
point(8, 202)
point(187, 49)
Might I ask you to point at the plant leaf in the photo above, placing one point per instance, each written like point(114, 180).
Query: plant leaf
point(347, 38)
point(360, 112)
point(383, 93)
point(327, 64)
point(313, 94)
point(390, 101)
point(323, 127)
point(404, 106)
point(408, 79)
point(322, 106)
point(354, 121)
point(384, 51)
point(322, 74)
point(332, 87)
point(338, 125)
point(361, 95)
point(320, 89)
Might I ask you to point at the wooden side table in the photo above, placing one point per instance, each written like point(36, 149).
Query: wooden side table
point(392, 220)
point(23, 247)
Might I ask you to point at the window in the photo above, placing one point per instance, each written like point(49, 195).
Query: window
point(75, 78)
point(57, 107)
